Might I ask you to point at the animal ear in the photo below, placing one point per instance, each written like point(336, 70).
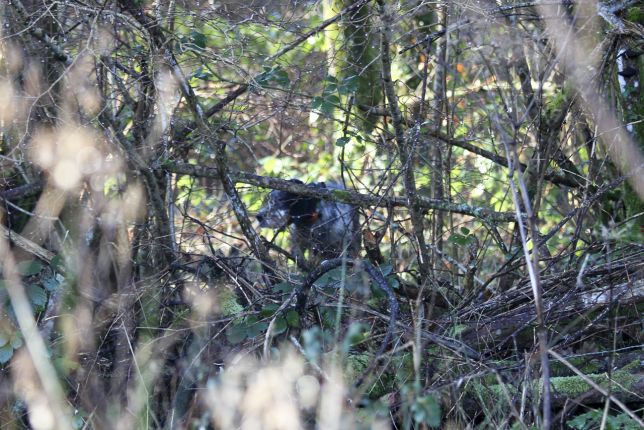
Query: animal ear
point(320, 185)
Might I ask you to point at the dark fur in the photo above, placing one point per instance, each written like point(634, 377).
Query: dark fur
point(324, 228)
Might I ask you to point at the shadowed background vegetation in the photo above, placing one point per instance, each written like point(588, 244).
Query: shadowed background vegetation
point(494, 153)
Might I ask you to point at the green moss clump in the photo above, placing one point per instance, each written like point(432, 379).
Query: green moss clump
point(398, 373)
point(341, 194)
point(355, 367)
point(581, 363)
point(228, 303)
point(573, 386)
point(635, 14)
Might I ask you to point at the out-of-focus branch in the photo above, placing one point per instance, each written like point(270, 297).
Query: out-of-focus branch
point(26, 244)
point(35, 345)
point(26, 190)
point(578, 60)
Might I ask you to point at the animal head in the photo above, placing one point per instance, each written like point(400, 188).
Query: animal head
point(282, 208)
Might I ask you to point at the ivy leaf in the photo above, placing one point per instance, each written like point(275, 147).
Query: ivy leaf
point(199, 39)
point(37, 295)
point(16, 342)
point(293, 318)
point(331, 85)
point(252, 327)
point(236, 333)
point(29, 268)
point(342, 141)
point(427, 410)
point(53, 283)
point(57, 263)
point(330, 278)
point(268, 310)
point(256, 329)
point(283, 287)
point(280, 326)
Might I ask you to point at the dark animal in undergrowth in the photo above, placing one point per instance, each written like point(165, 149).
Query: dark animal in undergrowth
point(326, 229)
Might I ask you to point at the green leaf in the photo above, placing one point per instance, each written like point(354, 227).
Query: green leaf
point(317, 102)
point(393, 282)
point(427, 410)
point(280, 326)
point(281, 78)
point(386, 269)
point(283, 287)
point(236, 333)
point(4, 339)
point(312, 343)
point(329, 279)
point(256, 329)
point(356, 334)
point(342, 141)
point(457, 329)
point(57, 263)
point(202, 74)
point(273, 74)
point(460, 240)
point(332, 98)
point(29, 268)
point(253, 327)
point(52, 283)
point(37, 295)
point(348, 85)
point(329, 316)
point(582, 421)
point(591, 419)
point(327, 108)
point(16, 342)
point(293, 318)
point(198, 39)
point(465, 230)
point(268, 310)
point(6, 352)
